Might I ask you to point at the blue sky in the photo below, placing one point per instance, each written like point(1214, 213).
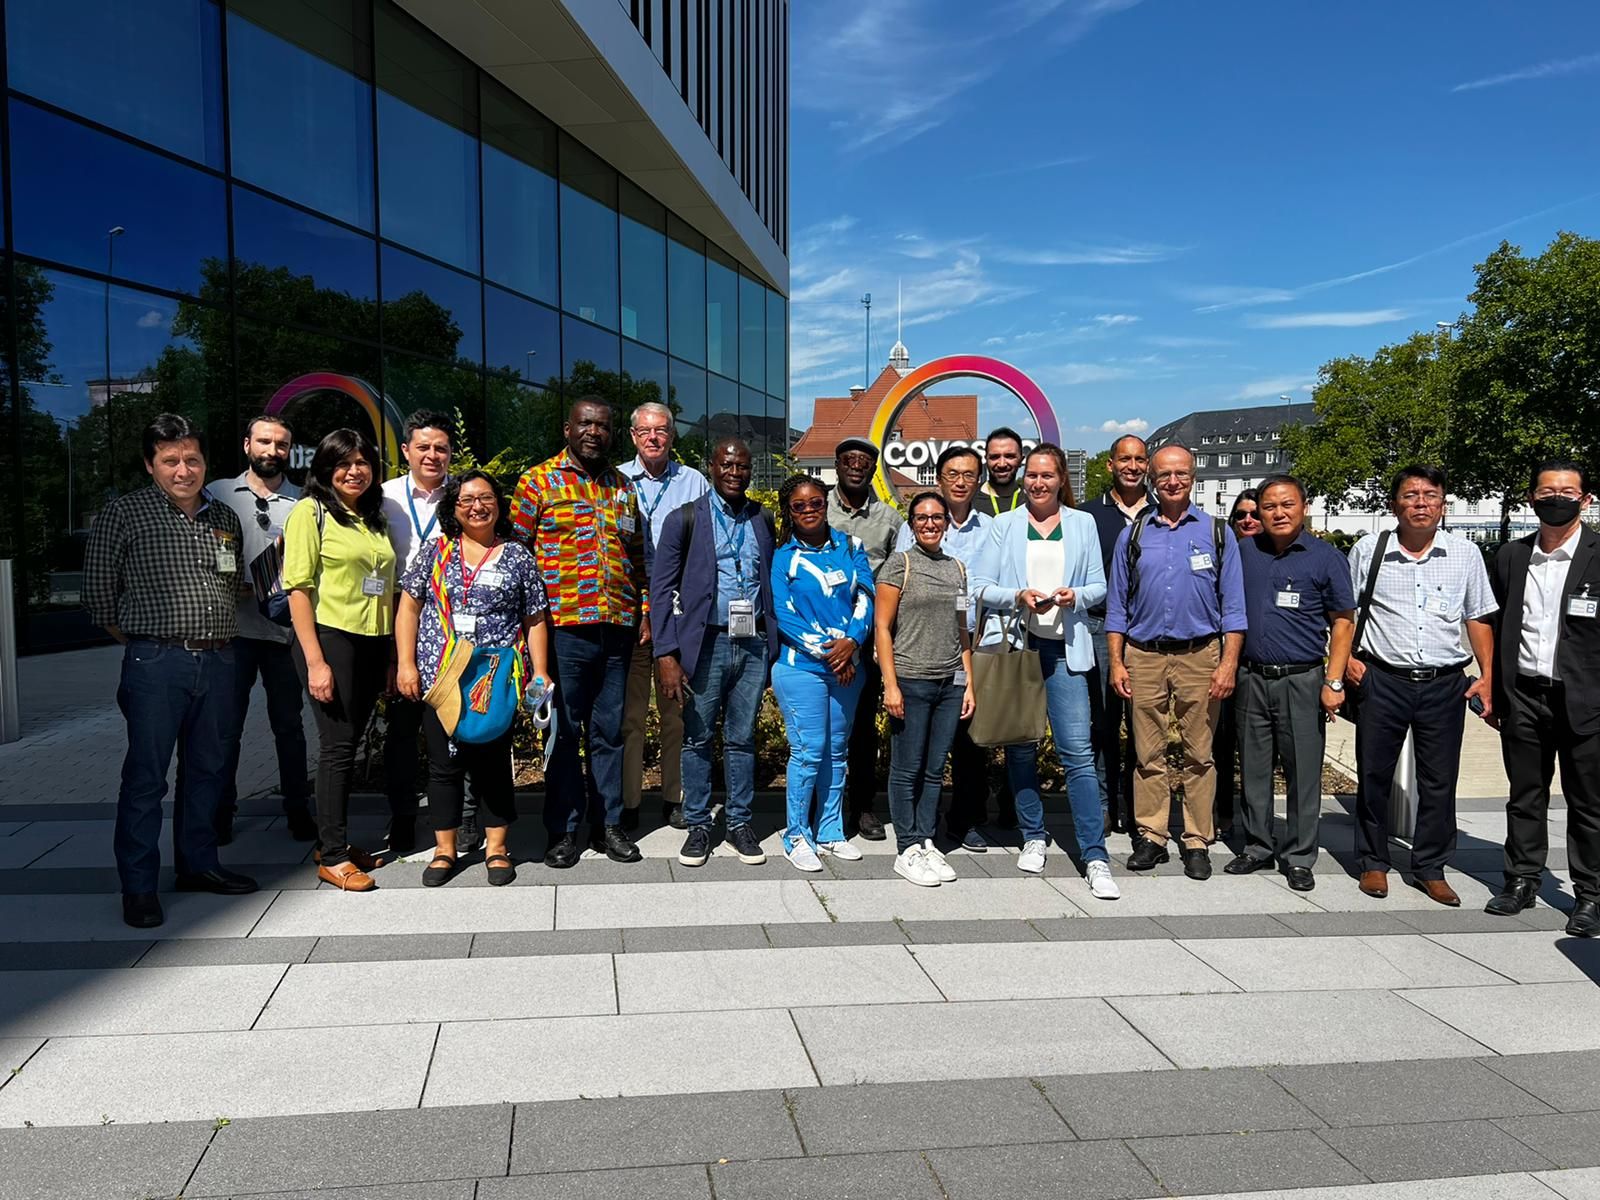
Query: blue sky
point(1155, 206)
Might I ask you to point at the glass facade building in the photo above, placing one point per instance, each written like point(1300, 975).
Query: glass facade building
point(322, 208)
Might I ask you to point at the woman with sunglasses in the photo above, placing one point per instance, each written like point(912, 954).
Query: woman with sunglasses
point(822, 592)
point(496, 598)
point(925, 654)
point(1245, 522)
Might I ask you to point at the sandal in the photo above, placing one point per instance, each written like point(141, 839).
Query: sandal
point(500, 876)
point(434, 875)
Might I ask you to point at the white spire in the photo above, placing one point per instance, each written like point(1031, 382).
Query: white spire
point(899, 356)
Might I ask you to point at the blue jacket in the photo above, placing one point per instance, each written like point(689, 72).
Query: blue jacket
point(811, 610)
point(1002, 571)
point(681, 610)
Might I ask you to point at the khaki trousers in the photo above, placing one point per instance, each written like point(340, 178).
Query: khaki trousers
point(1174, 686)
point(641, 677)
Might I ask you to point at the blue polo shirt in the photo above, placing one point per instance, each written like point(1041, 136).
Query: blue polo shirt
point(1309, 568)
point(1177, 593)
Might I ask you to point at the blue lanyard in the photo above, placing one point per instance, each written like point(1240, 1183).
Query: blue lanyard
point(416, 521)
point(736, 543)
point(638, 487)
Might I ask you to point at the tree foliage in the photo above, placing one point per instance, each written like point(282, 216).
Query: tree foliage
point(1096, 476)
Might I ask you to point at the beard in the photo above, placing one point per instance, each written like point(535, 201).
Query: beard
point(268, 466)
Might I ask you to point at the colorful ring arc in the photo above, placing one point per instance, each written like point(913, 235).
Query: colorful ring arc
point(385, 419)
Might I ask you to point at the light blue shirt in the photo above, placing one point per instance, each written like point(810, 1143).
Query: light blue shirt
point(964, 542)
point(677, 486)
point(738, 554)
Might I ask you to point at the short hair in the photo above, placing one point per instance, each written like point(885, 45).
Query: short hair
point(425, 418)
point(1249, 495)
point(450, 524)
point(1282, 480)
point(1433, 475)
point(171, 427)
point(1559, 464)
point(1004, 433)
point(266, 419)
point(958, 451)
point(1129, 437)
point(930, 494)
point(591, 398)
point(727, 439)
point(653, 408)
point(1050, 450)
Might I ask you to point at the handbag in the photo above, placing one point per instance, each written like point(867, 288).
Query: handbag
point(266, 574)
point(476, 689)
point(1350, 706)
point(1007, 689)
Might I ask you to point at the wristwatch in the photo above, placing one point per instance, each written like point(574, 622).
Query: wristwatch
point(1333, 685)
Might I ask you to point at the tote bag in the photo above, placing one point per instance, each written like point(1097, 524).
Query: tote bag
point(1008, 689)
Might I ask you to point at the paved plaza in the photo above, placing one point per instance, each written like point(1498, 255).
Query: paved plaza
point(653, 1031)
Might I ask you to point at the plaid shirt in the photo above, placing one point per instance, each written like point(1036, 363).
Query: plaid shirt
point(1419, 604)
point(153, 572)
point(586, 536)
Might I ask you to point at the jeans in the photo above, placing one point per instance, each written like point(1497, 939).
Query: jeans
point(643, 680)
point(359, 663)
point(285, 697)
point(862, 784)
point(591, 669)
point(817, 711)
point(166, 694)
point(489, 764)
point(1066, 698)
point(919, 742)
point(728, 681)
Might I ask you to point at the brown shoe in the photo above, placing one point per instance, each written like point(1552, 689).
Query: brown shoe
point(347, 877)
point(363, 860)
point(1440, 892)
point(1375, 884)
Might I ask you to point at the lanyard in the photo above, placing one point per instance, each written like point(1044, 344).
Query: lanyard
point(661, 494)
point(470, 574)
point(734, 540)
point(416, 521)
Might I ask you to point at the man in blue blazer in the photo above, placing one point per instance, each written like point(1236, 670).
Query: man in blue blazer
point(716, 636)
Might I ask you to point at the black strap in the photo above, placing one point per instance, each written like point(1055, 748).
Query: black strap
point(1218, 539)
point(1367, 588)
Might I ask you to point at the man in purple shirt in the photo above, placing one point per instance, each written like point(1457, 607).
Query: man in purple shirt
point(1175, 622)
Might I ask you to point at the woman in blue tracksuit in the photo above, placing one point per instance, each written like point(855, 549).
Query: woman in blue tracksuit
point(822, 590)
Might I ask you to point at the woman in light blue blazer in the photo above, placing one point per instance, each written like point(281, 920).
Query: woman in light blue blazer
point(1042, 562)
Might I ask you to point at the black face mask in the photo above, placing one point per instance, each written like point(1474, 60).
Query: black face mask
point(1556, 510)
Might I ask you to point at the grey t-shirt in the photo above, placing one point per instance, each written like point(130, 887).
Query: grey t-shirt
point(929, 621)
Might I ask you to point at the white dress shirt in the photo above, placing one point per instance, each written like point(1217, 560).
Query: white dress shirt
point(1541, 608)
point(413, 515)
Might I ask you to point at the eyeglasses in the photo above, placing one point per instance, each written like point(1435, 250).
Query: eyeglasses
point(928, 518)
point(857, 460)
point(262, 508)
point(1432, 499)
point(1178, 475)
point(645, 431)
point(959, 476)
point(807, 506)
point(475, 504)
point(1240, 518)
point(1558, 494)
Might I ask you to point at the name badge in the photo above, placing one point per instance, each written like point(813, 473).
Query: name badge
point(1288, 600)
point(960, 679)
point(374, 585)
point(489, 578)
point(835, 578)
point(1200, 562)
point(465, 622)
point(961, 602)
point(1436, 605)
point(1582, 606)
point(741, 619)
point(625, 523)
point(225, 562)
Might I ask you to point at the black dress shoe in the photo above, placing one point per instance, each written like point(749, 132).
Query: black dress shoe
point(219, 882)
point(630, 819)
point(1245, 864)
point(672, 814)
point(1585, 919)
point(301, 824)
point(1517, 895)
point(1147, 855)
point(142, 910)
point(564, 853)
point(615, 845)
point(868, 825)
point(1197, 862)
point(1301, 879)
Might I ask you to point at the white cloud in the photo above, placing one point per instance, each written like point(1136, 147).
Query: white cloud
point(1263, 388)
point(1544, 70)
point(1219, 298)
point(1071, 160)
point(1108, 320)
point(151, 320)
point(1089, 255)
point(1132, 425)
point(1072, 374)
point(1328, 320)
point(1186, 343)
point(994, 341)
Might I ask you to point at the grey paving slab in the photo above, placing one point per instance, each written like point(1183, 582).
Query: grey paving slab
point(115, 1000)
point(1081, 1170)
point(327, 912)
point(215, 952)
point(664, 939)
point(1047, 970)
point(24, 848)
point(836, 933)
point(1544, 917)
point(1345, 924)
point(1243, 925)
point(917, 1116)
point(633, 1131)
point(57, 956)
point(965, 900)
point(1394, 1093)
point(767, 902)
point(455, 1189)
point(7, 828)
point(654, 1183)
point(485, 1062)
point(14, 1052)
point(390, 947)
point(995, 1038)
point(1338, 963)
point(1434, 1149)
point(106, 1162)
point(99, 918)
point(1178, 896)
point(1264, 1028)
point(1580, 1184)
point(201, 1076)
point(1454, 920)
point(935, 932)
point(555, 941)
point(1059, 930)
point(1563, 1080)
point(467, 989)
point(1529, 957)
point(1515, 1186)
point(1171, 1103)
point(808, 977)
point(1189, 1166)
point(1519, 1018)
point(372, 1148)
point(1566, 1139)
point(727, 866)
point(866, 1177)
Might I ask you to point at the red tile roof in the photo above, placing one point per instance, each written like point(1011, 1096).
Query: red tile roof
point(834, 418)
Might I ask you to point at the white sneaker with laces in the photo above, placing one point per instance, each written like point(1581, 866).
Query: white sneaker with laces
point(1101, 885)
point(912, 864)
point(941, 868)
point(841, 850)
point(802, 857)
point(1031, 859)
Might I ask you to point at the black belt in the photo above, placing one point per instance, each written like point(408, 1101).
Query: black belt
point(1414, 674)
point(192, 645)
point(1173, 645)
point(1537, 683)
point(1278, 670)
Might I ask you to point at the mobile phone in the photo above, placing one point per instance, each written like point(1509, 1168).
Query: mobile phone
point(1476, 705)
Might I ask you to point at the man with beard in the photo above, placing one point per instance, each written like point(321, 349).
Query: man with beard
point(261, 496)
point(1002, 458)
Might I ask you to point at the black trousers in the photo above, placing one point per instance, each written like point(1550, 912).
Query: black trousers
point(400, 755)
point(1279, 720)
point(1225, 752)
point(969, 783)
point(489, 765)
point(1107, 712)
point(861, 781)
point(1435, 714)
point(1535, 733)
point(360, 665)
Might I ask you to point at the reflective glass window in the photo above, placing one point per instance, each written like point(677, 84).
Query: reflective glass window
point(591, 358)
point(278, 368)
point(151, 69)
point(524, 420)
point(522, 338)
point(291, 266)
point(753, 423)
point(413, 383)
point(431, 309)
point(519, 196)
point(644, 268)
point(722, 314)
point(300, 102)
point(427, 141)
point(777, 345)
point(588, 236)
point(688, 391)
point(646, 370)
point(722, 407)
point(752, 332)
point(173, 226)
point(686, 292)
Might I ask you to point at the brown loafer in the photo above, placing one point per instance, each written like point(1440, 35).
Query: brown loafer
point(1440, 892)
point(347, 877)
point(367, 862)
point(1375, 884)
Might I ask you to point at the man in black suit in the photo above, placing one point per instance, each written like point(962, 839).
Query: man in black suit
point(1547, 691)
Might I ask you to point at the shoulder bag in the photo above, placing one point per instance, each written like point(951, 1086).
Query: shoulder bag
point(477, 689)
point(1351, 705)
point(1007, 688)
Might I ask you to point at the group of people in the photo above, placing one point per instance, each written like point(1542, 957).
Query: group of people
point(619, 586)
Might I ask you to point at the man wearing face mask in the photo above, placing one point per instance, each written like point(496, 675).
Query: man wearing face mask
point(1547, 691)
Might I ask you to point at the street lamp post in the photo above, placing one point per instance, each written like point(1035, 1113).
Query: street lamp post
point(112, 235)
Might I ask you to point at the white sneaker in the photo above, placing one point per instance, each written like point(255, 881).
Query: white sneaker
point(931, 855)
point(1031, 859)
point(913, 865)
point(1101, 885)
point(841, 850)
point(802, 857)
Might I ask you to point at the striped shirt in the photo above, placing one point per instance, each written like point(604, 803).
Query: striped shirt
point(1418, 604)
point(587, 537)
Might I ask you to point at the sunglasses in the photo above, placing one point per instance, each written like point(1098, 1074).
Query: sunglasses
point(807, 506)
point(262, 509)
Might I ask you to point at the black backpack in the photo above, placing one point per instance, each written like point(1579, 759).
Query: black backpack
point(1219, 540)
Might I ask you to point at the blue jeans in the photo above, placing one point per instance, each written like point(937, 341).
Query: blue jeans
point(591, 669)
point(919, 743)
point(728, 681)
point(1066, 698)
point(817, 712)
point(168, 693)
point(285, 694)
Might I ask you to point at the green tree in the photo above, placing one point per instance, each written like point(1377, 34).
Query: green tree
point(1096, 476)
